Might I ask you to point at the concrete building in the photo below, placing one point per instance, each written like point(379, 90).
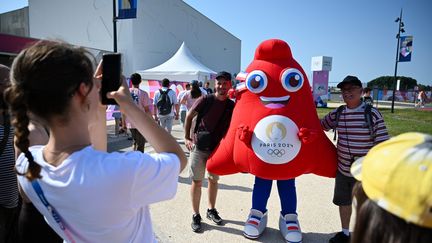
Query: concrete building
point(147, 41)
point(15, 22)
point(14, 28)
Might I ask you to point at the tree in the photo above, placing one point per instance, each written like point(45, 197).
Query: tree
point(425, 87)
point(388, 82)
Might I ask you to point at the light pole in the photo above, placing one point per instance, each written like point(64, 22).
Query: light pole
point(401, 29)
point(115, 27)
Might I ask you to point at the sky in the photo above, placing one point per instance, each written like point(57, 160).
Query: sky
point(359, 35)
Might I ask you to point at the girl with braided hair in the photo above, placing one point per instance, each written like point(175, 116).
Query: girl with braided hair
point(32, 226)
point(85, 194)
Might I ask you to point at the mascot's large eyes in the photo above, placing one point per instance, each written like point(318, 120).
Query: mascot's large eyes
point(256, 81)
point(292, 79)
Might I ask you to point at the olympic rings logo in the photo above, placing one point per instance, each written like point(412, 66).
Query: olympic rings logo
point(276, 152)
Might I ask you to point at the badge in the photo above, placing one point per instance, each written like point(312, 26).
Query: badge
point(275, 140)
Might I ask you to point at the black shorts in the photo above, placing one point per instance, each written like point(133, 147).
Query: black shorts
point(343, 189)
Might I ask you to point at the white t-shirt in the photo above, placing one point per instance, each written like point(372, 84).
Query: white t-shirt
point(103, 197)
point(203, 91)
point(179, 98)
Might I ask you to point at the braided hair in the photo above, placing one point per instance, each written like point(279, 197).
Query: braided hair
point(44, 77)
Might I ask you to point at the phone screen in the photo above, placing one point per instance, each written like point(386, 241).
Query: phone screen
point(111, 70)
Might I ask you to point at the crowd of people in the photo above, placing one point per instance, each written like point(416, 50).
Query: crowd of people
point(56, 178)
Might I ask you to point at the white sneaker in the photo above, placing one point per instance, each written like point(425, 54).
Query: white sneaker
point(290, 228)
point(255, 224)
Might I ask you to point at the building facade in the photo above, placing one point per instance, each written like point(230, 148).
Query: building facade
point(147, 41)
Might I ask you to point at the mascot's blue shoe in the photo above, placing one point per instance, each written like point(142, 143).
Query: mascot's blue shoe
point(290, 228)
point(255, 224)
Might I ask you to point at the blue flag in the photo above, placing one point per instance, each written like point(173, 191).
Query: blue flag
point(127, 9)
point(405, 48)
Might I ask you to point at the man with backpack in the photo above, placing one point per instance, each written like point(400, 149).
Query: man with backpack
point(359, 127)
point(213, 114)
point(164, 101)
point(142, 100)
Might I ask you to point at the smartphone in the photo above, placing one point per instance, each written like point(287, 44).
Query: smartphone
point(111, 71)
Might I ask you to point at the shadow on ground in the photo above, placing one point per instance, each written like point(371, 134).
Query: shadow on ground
point(317, 237)
point(117, 143)
point(225, 227)
point(187, 180)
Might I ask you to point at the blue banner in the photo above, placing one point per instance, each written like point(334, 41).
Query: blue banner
point(127, 9)
point(405, 48)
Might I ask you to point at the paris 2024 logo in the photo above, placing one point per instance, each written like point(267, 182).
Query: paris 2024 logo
point(275, 139)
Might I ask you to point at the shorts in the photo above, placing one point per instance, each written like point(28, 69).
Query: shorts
point(166, 122)
point(343, 189)
point(198, 161)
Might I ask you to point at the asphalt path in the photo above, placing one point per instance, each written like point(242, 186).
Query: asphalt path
point(318, 217)
point(171, 219)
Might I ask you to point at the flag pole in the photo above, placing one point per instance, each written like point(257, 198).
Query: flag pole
point(399, 20)
point(114, 26)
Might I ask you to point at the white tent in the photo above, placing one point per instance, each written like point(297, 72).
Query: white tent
point(183, 66)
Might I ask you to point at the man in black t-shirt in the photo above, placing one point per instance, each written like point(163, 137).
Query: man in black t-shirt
point(367, 98)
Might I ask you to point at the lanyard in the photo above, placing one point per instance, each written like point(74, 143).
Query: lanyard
point(52, 210)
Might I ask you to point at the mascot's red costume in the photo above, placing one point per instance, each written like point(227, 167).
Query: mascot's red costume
point(274, 134)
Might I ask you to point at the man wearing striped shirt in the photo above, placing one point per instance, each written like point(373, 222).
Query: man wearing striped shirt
point(355, 138)
point(8, 178)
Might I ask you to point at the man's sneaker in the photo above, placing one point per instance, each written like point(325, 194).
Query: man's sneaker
point(196, 222)
point(290, 228)
point(340, 238)
point(255, 224)
point(213, 215)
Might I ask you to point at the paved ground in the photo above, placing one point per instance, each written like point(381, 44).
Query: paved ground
point(318, 217)
point(171, 219)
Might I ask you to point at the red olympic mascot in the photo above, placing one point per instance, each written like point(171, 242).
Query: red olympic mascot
point(274, 134)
